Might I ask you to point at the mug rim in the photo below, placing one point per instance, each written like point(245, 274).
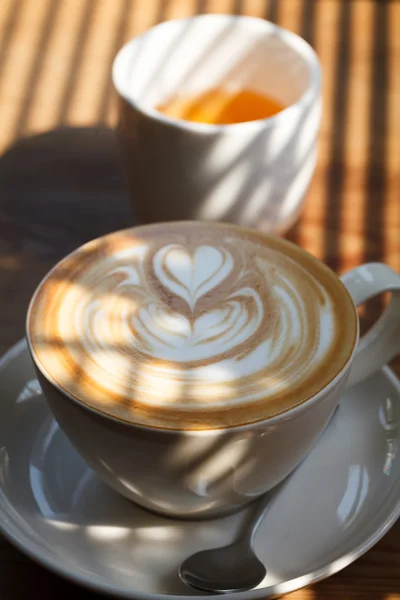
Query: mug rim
point(272, 420)
point(291, 39)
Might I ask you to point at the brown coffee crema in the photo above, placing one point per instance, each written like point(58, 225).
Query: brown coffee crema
point(191, 325)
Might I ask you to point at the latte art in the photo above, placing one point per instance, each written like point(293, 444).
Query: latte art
point(191, 325)
point(193, 305)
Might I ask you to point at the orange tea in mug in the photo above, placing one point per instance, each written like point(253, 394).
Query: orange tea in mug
point(220, 106)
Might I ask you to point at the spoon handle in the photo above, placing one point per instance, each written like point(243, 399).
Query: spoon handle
point(256, 516)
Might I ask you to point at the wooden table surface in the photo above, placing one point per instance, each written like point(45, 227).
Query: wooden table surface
point(60, 183)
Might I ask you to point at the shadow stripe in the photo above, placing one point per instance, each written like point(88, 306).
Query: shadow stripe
point(237, 7)
point(79, 46)
point(120, 30)
point(200, 8)
point(307, 28)
point(9, 30)
point(376, 179)
point(161, 11)
point(336, 170)
point(32, 79)
point(272, 11)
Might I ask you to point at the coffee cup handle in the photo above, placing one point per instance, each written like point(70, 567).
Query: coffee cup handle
point(382, 342)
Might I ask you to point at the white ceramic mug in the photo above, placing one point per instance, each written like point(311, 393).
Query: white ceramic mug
point(254, 173)
point(206, 473)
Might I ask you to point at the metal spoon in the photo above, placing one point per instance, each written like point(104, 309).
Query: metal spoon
point(233, 568)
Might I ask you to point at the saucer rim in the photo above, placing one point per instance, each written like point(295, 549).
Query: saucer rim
point(17, 536)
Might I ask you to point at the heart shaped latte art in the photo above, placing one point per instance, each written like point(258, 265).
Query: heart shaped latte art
point(194, 311)
point(191, 275)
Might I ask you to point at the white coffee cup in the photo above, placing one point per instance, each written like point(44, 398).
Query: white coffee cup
point(202, 473)
point(254, 173)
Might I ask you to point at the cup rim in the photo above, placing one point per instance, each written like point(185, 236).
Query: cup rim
point(296, 42)
point(269, 421)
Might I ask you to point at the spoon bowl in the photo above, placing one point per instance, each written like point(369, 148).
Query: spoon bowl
point(233, 568)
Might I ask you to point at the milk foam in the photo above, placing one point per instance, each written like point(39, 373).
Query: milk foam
point(193, 322)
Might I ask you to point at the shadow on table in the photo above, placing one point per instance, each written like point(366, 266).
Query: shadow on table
point(25, 579)
point(60, 189)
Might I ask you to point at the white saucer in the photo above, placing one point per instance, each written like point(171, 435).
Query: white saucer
point(342, 500)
